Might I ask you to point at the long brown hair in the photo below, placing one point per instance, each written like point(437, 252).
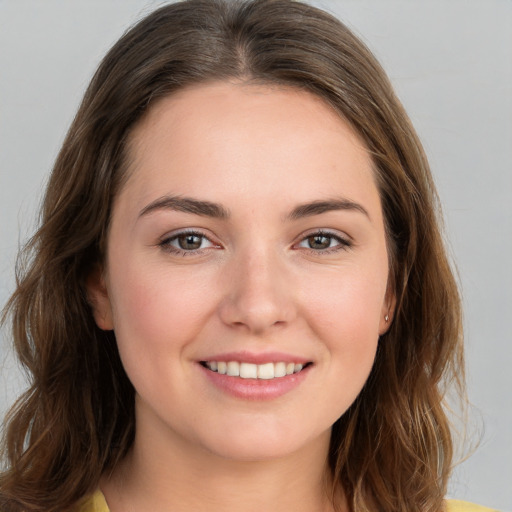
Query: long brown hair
point(392, 449)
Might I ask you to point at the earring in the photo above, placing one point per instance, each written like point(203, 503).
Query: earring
point(386, 318)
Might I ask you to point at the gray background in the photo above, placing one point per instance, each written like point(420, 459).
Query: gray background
point(451, 63)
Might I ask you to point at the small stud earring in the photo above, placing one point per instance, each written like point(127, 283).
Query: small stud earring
point(386, 318)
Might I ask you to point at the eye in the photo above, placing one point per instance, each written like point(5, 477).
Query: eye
point(323, 242)
point(187, 242)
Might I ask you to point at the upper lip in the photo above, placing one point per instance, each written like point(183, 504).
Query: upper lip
point(257, 358)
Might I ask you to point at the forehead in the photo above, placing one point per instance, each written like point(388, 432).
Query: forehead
point(244, 138)
point(210, 106)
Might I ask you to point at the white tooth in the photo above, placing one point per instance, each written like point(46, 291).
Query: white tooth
point(297, 368)
point(289, 368)
point(248, 371)
point(212, 365)
point(279, 369)
point(266, 371)
point(222, 367)
point(233, 369)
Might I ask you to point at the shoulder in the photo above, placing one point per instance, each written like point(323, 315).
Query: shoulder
point(464, 506)
point(94, 503)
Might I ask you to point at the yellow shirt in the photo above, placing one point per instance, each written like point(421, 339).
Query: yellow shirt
point(97, 503)
point(460, 506)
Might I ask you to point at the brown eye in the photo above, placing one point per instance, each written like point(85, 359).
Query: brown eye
point(190, 241)
point(319, 241)
point(187, 242)
point(324, 242)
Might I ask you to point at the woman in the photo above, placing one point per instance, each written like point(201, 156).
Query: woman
point(238, 297)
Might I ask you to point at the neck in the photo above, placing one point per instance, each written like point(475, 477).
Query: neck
point(169, 473)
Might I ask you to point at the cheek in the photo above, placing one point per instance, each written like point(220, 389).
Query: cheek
point(156, 308)
point(157, 315)
point(348, 301)
point(348, 325)
point(344, 310)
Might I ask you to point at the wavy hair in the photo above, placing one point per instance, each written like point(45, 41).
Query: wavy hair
point(392, 450)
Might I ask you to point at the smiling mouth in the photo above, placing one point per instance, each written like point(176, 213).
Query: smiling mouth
point(266, 371)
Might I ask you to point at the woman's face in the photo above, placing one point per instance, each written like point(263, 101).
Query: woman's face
point(248, 239)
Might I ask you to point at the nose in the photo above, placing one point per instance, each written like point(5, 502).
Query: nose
point(259, 294)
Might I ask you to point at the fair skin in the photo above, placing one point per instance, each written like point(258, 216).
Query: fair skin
point(249, 231)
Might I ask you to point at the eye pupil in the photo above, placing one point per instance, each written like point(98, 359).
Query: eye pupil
point(190, 242)
point(319, 242)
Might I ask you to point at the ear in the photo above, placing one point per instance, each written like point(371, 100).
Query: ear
point(97, 295)
point(388, 311)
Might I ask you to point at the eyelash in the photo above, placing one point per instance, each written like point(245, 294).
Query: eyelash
point(165, 244)
point(343, 243)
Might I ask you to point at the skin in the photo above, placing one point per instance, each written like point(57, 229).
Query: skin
point(255, 284)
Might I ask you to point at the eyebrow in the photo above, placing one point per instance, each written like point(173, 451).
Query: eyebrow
point(187, 205)
point(318, 207)
point(217, 211)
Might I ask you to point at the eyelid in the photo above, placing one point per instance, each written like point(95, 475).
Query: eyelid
point(345, 241)
point(327, 232)
point(165, 241)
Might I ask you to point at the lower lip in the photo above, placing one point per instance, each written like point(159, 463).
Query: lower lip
point(256, 389)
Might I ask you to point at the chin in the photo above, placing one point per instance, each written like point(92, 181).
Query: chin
point(262, 444)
